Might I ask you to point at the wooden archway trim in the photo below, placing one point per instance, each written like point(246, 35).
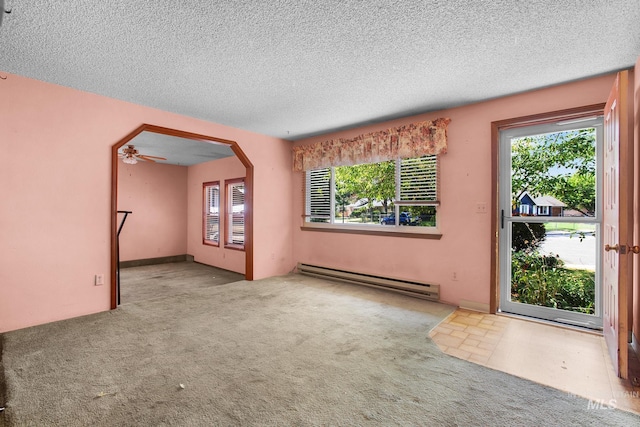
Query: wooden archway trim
point(188, 135)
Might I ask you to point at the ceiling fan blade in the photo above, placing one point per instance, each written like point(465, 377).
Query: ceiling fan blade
point(145, 159)
point(152, 157)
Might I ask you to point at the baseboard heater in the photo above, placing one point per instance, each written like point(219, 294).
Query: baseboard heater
point(406, 287)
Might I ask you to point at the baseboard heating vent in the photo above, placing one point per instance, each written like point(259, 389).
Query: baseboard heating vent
point(406, 287)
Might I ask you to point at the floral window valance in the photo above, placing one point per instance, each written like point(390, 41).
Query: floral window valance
point(412, 140)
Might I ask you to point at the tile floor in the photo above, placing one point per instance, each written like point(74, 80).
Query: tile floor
point(567, 359)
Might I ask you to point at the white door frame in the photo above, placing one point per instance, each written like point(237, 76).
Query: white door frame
point(506, 220)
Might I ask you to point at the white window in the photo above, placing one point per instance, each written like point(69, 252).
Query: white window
point(318, 195)
point(395, 193)
point(543, 210)
point(524, 209)
point(234, 235)
point(211, 213)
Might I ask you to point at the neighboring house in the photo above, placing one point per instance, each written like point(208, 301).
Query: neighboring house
point(538, 206)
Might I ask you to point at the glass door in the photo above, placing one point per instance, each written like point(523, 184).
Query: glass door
point(550, 219)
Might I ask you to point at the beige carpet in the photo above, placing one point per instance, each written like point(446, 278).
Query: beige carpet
point(281, 351)
point(148, 282)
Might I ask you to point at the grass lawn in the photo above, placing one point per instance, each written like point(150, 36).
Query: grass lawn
point(569, 226)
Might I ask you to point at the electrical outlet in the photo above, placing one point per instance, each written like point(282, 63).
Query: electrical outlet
point(99, 280)
point(481, 208)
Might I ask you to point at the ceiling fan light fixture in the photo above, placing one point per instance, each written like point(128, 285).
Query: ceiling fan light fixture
point(131, 156)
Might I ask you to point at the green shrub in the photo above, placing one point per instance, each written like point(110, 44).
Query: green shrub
point(527, 235)
point(319, 220)
point(542, 280)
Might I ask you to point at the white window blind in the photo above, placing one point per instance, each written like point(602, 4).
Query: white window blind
point(235, 213)
point(211, 214)
point(318, 190)
point(418, 180)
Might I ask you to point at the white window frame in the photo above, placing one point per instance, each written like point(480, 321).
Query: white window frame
point(211, 213)
point(234, 236)
point(505, 233)
point(543, 210)
point(311, 221)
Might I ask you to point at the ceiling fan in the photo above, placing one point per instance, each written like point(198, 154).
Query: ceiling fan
point(131, 156)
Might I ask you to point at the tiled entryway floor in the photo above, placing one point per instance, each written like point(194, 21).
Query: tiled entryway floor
point(570, 360)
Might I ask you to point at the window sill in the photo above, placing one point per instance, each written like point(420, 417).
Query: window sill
point(374, 230)
point(234, 247)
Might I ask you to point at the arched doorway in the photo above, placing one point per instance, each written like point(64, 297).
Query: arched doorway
point(248, 194)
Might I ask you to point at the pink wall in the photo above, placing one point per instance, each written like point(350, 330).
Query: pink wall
point(157, 195)
point(465, 247)
point(216, 170)
point(55, 180)
point(272, 232)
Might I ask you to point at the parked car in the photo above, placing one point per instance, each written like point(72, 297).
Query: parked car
point(405, 219)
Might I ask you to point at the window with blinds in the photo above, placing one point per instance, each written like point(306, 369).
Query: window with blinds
point(211, 213)
point(402, 192)
point(234, 235)
point(318, 190)
point(419, 180)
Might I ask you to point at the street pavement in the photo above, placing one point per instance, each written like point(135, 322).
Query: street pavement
point(575, 253)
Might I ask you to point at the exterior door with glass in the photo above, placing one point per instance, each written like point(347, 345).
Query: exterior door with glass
point(550, 221)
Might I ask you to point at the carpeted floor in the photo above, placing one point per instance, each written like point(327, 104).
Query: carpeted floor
point(148, 282)
point(291, 350)
point(3, 391)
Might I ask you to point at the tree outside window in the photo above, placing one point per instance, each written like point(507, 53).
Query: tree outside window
point(401, 192)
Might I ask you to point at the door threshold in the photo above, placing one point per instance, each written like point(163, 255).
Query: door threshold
point(557, 324)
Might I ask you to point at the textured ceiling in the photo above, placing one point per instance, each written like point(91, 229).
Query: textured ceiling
point(178, 151)
point(299, 68)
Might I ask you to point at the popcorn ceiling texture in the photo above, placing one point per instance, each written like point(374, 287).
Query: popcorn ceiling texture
point(293, 69)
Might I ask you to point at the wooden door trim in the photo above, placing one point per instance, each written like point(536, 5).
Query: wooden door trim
point(188, 135)
point(626, 187)
point(496, 127)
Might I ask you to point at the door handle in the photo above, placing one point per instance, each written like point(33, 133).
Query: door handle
point(622, 249)
point(635, 249)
